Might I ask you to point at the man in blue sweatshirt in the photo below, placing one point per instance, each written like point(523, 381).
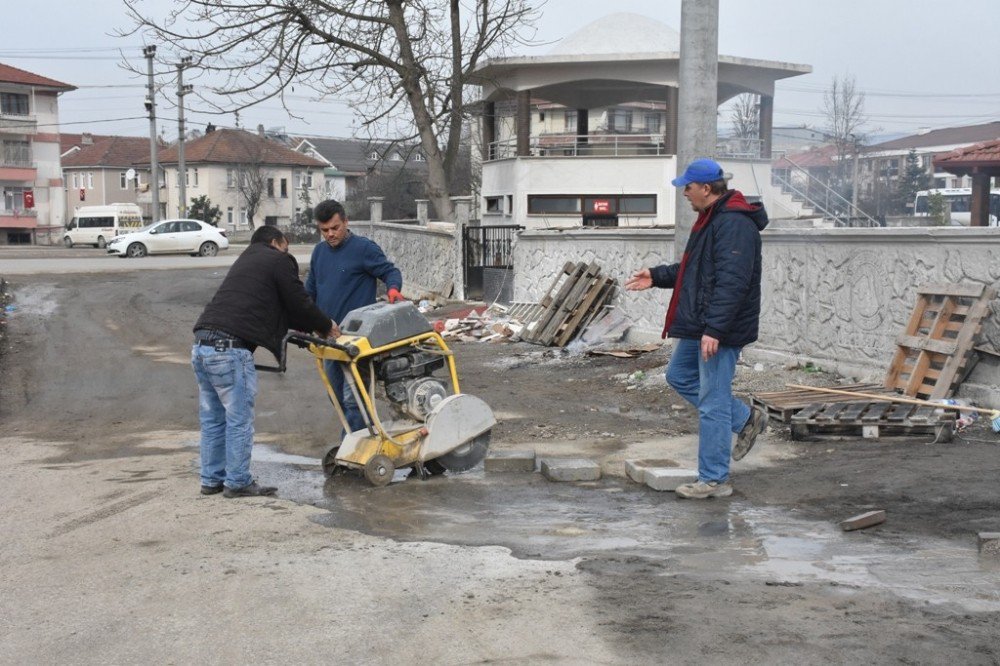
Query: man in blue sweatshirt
point(343, 274)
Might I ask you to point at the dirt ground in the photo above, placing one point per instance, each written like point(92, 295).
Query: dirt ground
point(110, 555)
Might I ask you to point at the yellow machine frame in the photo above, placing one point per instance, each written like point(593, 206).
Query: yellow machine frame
point(401, 447)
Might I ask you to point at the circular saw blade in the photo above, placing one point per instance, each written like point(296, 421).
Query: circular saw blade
point(466, 456)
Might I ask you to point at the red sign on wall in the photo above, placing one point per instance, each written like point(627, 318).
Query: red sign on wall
point(83, 194)
point(602, 206)
point(29, 199)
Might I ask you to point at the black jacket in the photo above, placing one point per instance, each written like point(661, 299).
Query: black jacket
point(720, 289)
point(261, 298)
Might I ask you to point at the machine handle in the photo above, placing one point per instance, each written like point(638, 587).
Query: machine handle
point(303, 340)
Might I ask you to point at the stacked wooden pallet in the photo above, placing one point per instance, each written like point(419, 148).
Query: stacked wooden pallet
point(576, 296)
point(825, 420)
point(783, 405)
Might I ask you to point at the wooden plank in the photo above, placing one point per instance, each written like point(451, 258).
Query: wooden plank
point(852, 411)
point(808, 412)
point(925, 344)
point(875, 411)
point(896, 366)
point(953, 289)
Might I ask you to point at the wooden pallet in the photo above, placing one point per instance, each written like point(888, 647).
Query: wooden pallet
point(870, 420)
point(577, 294)
point(782, 405)
point(935, 352)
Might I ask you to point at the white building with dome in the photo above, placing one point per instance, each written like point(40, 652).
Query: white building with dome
point(587, 135)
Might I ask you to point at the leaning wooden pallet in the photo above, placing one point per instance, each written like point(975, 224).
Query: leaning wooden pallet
point(936, 349)
point(562, 308)
point(566, 281)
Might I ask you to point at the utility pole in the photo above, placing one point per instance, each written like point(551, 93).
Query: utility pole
point(181, 167)
point(854, 178)
point(154, 180)
point(697, 100)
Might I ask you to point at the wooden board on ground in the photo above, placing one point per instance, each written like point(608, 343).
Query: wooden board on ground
point(870, 420)
point(935, 351)
point(781, 405)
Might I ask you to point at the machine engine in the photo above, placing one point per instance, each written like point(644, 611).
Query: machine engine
point(409, 386)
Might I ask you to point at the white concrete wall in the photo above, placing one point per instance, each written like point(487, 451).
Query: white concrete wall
point(838, 297)
point(426, 257)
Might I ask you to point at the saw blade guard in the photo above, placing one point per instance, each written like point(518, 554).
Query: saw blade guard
point(455, 421)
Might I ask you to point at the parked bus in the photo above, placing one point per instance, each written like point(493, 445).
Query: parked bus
point(959, 199)
point(97, 225)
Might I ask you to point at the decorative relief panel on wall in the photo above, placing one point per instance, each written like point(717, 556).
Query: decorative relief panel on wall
point(426, 260)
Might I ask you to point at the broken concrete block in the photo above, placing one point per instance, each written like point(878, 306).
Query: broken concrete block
point(510, 461)
point(668, 478)
point(989, 544)
point(570, 469)
point(863, 520)
point(635, 468)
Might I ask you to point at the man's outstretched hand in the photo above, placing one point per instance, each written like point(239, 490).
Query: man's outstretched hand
point(640, 281)
point(395, 296)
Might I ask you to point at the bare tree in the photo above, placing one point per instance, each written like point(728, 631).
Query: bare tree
point(844, 108)
point(252, 173)
point(404, 65)
point(745, 118)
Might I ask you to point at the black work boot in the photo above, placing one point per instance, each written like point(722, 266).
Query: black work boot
point(252, 490)
point(211, 490)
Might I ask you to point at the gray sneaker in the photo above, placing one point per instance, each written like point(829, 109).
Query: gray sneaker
point(704, 490)
point(748, 436)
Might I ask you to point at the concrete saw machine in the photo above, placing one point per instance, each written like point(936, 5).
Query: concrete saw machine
point(433, 427)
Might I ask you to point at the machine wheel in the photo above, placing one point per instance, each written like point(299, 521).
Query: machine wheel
point(330, 467)
point(379, 471)
point(136, 250)
point(208, 249)
point(67, 241)
point(101, 243)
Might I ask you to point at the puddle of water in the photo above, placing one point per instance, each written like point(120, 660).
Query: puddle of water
point(535, 518)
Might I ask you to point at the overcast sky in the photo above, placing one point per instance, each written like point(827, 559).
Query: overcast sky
point(921, 63)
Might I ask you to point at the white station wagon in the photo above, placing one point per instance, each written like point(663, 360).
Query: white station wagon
point(171, 237)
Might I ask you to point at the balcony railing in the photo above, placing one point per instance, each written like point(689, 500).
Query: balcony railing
point(20, 212)
point(13, 123)
point(16, 159)
point(583, 145)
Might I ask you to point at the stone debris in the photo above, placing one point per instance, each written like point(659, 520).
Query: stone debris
point(863, 520)
point(510, 461)
point(667, 479)
point(989, 544)
point(570, 469)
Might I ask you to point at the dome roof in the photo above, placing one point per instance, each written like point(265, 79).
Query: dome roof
point(620, 33)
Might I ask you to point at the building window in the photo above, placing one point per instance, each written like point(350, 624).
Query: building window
point(284, 188)
point(270, 188)
point(654, 123)
point(571, 121)
point(373, 156)
point(76, 181)
point(229, 216)
point(419, 157)
point(123, 180)
point(396, 157)
point(230, 178)
point(14, 104)
point(620, 120)
point(541, 115)
point(190, 177)
point(559, 205)
point(494, 205)
point(16, 153)
point(90, 180)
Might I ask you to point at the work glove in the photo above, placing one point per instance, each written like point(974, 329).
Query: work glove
point(394, 295)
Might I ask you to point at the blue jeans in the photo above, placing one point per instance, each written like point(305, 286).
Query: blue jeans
point(352, 412)
point(708, 385)
point(227, 388)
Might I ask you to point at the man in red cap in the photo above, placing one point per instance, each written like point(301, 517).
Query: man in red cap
point(344, 271)
point(714, 312)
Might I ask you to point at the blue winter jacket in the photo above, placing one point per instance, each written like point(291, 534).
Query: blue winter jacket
point(720, 288)
point(345, 277)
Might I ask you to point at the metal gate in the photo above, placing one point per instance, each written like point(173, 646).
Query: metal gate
point(488, 261)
